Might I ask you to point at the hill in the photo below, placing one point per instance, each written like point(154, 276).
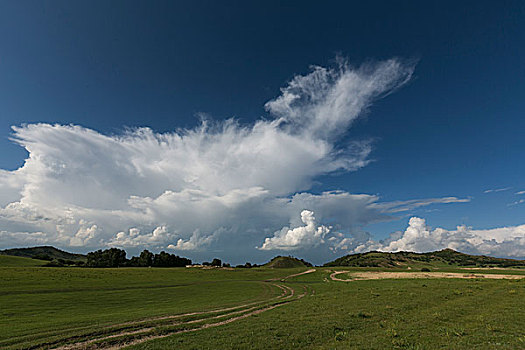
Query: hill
point(286, 262)
point(43, 253)
point(17, 261)
point(441, 257)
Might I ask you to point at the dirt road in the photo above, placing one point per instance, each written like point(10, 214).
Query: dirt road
point(117, 336)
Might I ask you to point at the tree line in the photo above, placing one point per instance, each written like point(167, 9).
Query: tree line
point(115, 257)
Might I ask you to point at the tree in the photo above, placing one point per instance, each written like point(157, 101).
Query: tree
point(42, 257)
point(164, 259)
point(112, 257)
point(216, 262)
point(116, 257)
point(146, 258)
point(161, 259)
point(134, 262)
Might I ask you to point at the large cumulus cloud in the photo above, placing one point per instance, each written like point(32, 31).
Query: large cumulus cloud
point(310, 234)
point(221, 185)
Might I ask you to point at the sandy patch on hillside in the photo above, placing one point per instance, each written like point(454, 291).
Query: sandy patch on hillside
point(494, 268)
point(377, 275)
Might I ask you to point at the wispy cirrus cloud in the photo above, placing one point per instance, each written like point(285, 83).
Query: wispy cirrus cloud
point(495, 190)
point(408, 205)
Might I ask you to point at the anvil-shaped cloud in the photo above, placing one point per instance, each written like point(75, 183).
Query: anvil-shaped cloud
point(221, 185)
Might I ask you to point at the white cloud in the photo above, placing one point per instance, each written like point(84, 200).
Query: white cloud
point(17, 239)
point(325, 102)
point(196, 241)
point(497, 190)
point(219, 186)
point(401, 206)
point(84, 235)
point(133, 238)
point(521, 201)
point(418, 237)
point(220, 182)
point(520, 192)
point(307, 236)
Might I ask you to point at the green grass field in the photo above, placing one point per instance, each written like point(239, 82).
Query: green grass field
point(156, 308)
point(16, 261)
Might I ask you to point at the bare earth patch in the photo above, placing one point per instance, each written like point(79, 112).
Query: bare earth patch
point(294, 275)
point(494, 268)
point(377, 275)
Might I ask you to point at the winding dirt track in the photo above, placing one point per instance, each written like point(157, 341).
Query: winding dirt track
point(120, 335)
point(376, 275)
point(294, 275)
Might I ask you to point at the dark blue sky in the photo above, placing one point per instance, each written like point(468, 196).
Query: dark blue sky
point(457, 129)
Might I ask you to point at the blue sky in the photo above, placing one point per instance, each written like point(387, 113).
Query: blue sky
point(454, 129)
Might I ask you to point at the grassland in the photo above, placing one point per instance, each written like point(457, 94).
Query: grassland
point(156, 308)
point(16, 261)
point(46, 252)
point(440, 258)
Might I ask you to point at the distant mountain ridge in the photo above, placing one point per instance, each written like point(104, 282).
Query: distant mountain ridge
point(370, 259)
point(441, 257)
point(43, 253)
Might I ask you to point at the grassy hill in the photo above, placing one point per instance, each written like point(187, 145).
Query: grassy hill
point(286, 262)
point(437, 258)
point(17, 261)
point(43, 253)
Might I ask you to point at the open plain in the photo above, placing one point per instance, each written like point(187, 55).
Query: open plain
point(260, 308)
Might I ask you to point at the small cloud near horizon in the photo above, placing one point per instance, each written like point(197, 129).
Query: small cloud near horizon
point(497, 190)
